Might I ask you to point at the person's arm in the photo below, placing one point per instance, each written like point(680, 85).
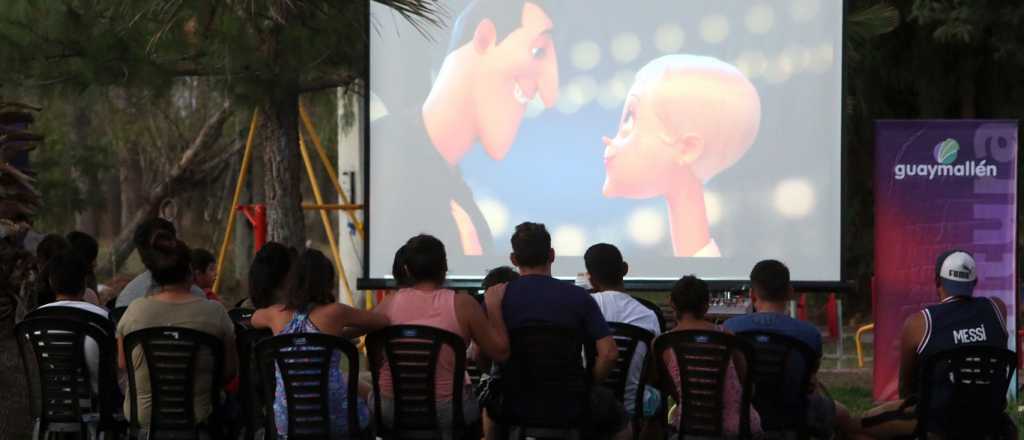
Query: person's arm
point(356, 322)
point(913, 333)
point(230, 351)
point(607, 355)
point(121, 364)
point(491, 342)
point(493, 298)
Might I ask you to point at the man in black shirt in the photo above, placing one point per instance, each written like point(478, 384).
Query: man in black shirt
point(501, 57)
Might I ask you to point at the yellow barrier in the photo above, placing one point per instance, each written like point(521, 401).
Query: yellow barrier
point(860, 349)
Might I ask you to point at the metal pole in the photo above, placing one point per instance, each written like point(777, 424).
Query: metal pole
point(242, 174)
point(315, 138)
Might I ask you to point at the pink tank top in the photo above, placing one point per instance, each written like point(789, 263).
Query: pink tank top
point(430, 308)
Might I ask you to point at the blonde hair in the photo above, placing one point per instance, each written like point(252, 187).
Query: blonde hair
point(705, 96)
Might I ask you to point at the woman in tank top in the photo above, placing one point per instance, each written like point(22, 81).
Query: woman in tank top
point(311, 307)
point(424, 302)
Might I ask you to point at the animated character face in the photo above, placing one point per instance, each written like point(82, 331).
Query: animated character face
point(508, 74)
point(685, 116)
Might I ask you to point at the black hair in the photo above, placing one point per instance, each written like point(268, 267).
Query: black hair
point(268, 271)
point(310, 282)
point(507, 16)
point(146, 230)
point(605, 265)
point(498, 275)
point(50, 246)
point(531, 245)
point(200, 259)
point(771, 278)
point(84, 246)
point(398, 268)
point(691, 295)
point(167, 260)
point(66, 274)
point(425, 259)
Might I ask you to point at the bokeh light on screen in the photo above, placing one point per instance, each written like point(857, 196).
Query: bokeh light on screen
point(578, 93)
point(804, 10)
point(713, 206)
point(714, 28)
point(646, 226)
point(780, 69)
point(823, 58)
point(495, 213)
point(669, 38)
point(586, 55)
point(760, 19)
point(794, 198)
point(626, 47)
point(377, 108)
point(569, 240)
point(752, 64)
point(613, 92)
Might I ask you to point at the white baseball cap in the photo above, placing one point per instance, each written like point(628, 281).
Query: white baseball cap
point(956, 271)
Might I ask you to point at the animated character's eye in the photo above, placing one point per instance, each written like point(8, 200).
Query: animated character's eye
point(628, 119)
point(537, 52)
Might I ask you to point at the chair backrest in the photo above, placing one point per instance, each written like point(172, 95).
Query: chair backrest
point(304, 361)
point(52, 351)
point(658, 312)
point(412, 353)
point(963, 392)
point(627, 339)
point(250, 386)
point(104, 324)
point(703, 359)
point(116, 313)
point(781, 370)
point(241, 316)
point(171, 355)
point(546, 382)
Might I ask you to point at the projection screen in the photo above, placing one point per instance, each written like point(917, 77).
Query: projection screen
point(697, 136)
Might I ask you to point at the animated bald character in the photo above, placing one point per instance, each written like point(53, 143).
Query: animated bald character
point(685, 120)
point(501, 57)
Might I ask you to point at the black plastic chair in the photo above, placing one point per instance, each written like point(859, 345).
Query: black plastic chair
point(703, 358)
point(116, 313)
point(627, 339)
point(241, 316)
point(250, 388)
point(545, 385)
point(304, 361)
point(658, 312)
point(973, 380)
point(781, 370)
point(412, 353)
point(171, 355)
point(61, 396)
point(104, 324)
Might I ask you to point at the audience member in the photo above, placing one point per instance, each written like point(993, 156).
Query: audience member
point(204, 272)
point(398, 269)
point(606, 270)
point(67, 282)
point(690, 299)
point(499, 275)
point(310, 306)
point(173, 304)
point(426, 303)
point(538, 297)
point(935, 329)
point(144, 284)
point(87, 249)
point(770, 290)
point(267, 274)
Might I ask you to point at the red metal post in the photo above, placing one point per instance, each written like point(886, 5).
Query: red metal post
point(257, 216)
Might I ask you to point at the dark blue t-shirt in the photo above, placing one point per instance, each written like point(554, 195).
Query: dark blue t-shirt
point(537, 298)
point(777, 323)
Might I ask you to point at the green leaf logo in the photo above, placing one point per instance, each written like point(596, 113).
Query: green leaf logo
point(945, 151)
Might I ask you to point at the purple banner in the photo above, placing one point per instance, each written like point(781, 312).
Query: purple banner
point(939, 185)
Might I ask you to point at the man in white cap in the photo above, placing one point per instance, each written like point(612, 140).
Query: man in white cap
point(958, 320)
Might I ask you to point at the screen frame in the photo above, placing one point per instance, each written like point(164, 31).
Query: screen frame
point(843, 284)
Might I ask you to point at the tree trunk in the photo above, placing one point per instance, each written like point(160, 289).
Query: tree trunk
point(85, 220)
point(283, 172)
point(130, 177)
